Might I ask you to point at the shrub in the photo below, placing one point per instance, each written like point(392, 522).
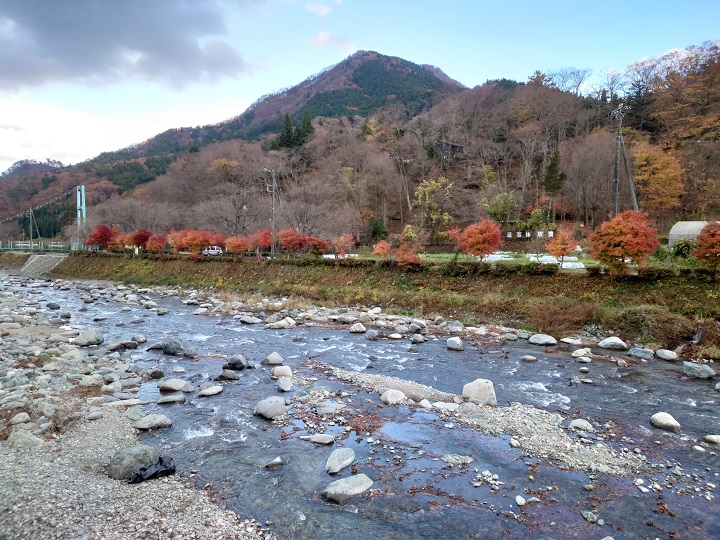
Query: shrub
point(650, 323)
point(707, 247)
point(560, 314)
point(627, 237)
point(480, 238)
point(343, 244)
point(318, 246)
point(562, 245)
point(682, 249)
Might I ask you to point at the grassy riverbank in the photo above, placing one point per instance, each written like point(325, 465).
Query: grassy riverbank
point(650, 309)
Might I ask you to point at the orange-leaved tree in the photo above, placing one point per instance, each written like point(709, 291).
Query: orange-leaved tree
point(261, 240)
point(343, 244)
point(406, 257)
point(707, 247)
point(562, 244)
point(101, 236)
point(382, 249)
point(318, 245)
point(292, 240)
point(480, 238)
point(236, 244)
point(156, 242)
point(626, 238)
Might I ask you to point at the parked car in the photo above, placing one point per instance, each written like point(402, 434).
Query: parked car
point(212, 251)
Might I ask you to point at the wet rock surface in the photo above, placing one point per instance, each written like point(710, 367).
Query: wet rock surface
point(433, 461)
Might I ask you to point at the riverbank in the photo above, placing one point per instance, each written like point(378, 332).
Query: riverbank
point(658, 311)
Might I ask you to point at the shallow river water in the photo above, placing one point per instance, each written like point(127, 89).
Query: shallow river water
point(222, 445)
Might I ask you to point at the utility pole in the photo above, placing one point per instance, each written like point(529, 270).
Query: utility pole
point(620, 148)
point(81, 212)
point(271, 188)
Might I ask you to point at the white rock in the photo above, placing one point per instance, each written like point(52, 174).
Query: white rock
point(210, 391)
point(339, 459)
point(153, 421)
point(581, 352)
point(613, 343)
point(664, 421)
point(358, 328)
point(318, 438)
point(520, 500)
point(272, 359)
point(393, 397)
point(480, 391)
point(571, 340)
point(454, 344)
point(582, 425)
point(281, 371)
point(175, 385)
point(542, 339)
point(664, 354)
point(341, 490)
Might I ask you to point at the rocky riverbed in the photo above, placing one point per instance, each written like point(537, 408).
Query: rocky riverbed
point(80, 380)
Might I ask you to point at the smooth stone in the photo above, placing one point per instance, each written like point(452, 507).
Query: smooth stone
point(23, 440)
point(454, 344)
point(228, 375)
point(698, 371)
point(582, 425)
point(667, 355)
point(637, 352)
point(89, 337)
point(480, 392)
point(456, 459)
point(175, 385)
point(134, 414)
point(572, 341)
point(520, 500)
point(393, 397)
point(318, 438)
point(271, 407)
point(418, 338)
point(153, 421)
point(20, 418)
point(583, 360)
point(275, 463)
point(528, 358)
point(177, 347)
point(210, 391)
point(613, 343)
point(372, 334)
point(281, 371)
point(177, 398)
point(328, 407)
point(542, 339)
point(237, 362)
point(712, 439)
point(581, 352)
point(665, 421)
point(510, 337)
point(358, 328)
point(339, 459)
point(345, 488)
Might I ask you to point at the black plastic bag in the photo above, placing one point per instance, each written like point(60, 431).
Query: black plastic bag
point(164, 467)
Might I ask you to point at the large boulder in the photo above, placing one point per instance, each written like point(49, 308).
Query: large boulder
point(236, 362)
point(177, 347)
point(454, 344)
point(271, 407)
point(128, 460)
point(358, 328)
point(699, 371)
point(272, 359)
point(613, 343)
point(23, 440)
point(339, 459)
point(89, 337)
point(663, 420)
point(211, 390)
point(542, 339)
point(645, 354)
point(667, 355)
point(480, 391)
point(393, 397)
point(341, 490)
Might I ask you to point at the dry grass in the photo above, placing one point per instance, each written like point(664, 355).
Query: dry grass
point(649, 324)
point(559, 315)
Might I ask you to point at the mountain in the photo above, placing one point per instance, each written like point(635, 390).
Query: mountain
point(29, 166)
point(360, 85)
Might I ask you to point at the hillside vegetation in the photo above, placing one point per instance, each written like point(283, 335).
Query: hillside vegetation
point(526, 154)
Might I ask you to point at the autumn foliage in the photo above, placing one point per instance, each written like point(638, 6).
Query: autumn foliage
point(156, 242)
point(237, 244)
point(562, 244)
point(318, 245)
point(707, 247)
point(480, 238)
point(101, 236)
point(292, 240)
point(140, 237)
point(382, 249)
point(628, 237)
point(343, 244)
point(406, 257)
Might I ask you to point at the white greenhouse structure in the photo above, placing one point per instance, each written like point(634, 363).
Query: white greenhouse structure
point(685, 229)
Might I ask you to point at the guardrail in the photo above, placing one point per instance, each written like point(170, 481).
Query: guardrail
point(42, 245)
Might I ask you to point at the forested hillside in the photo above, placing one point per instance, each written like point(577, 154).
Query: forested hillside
point(390, 143)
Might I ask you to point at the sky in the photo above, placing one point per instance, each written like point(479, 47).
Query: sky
point(79, 77)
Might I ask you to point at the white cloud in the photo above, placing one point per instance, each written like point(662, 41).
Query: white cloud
point(326, 39)
point(319, 9)
point(40, 130)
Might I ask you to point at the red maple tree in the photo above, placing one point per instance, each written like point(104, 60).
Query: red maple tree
point(101, 236)
point(292, 240)
point(480, 238)
point(236, 244)
point(382, 249)
point(626, 238)
point(707, 247)
point(562, 244)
